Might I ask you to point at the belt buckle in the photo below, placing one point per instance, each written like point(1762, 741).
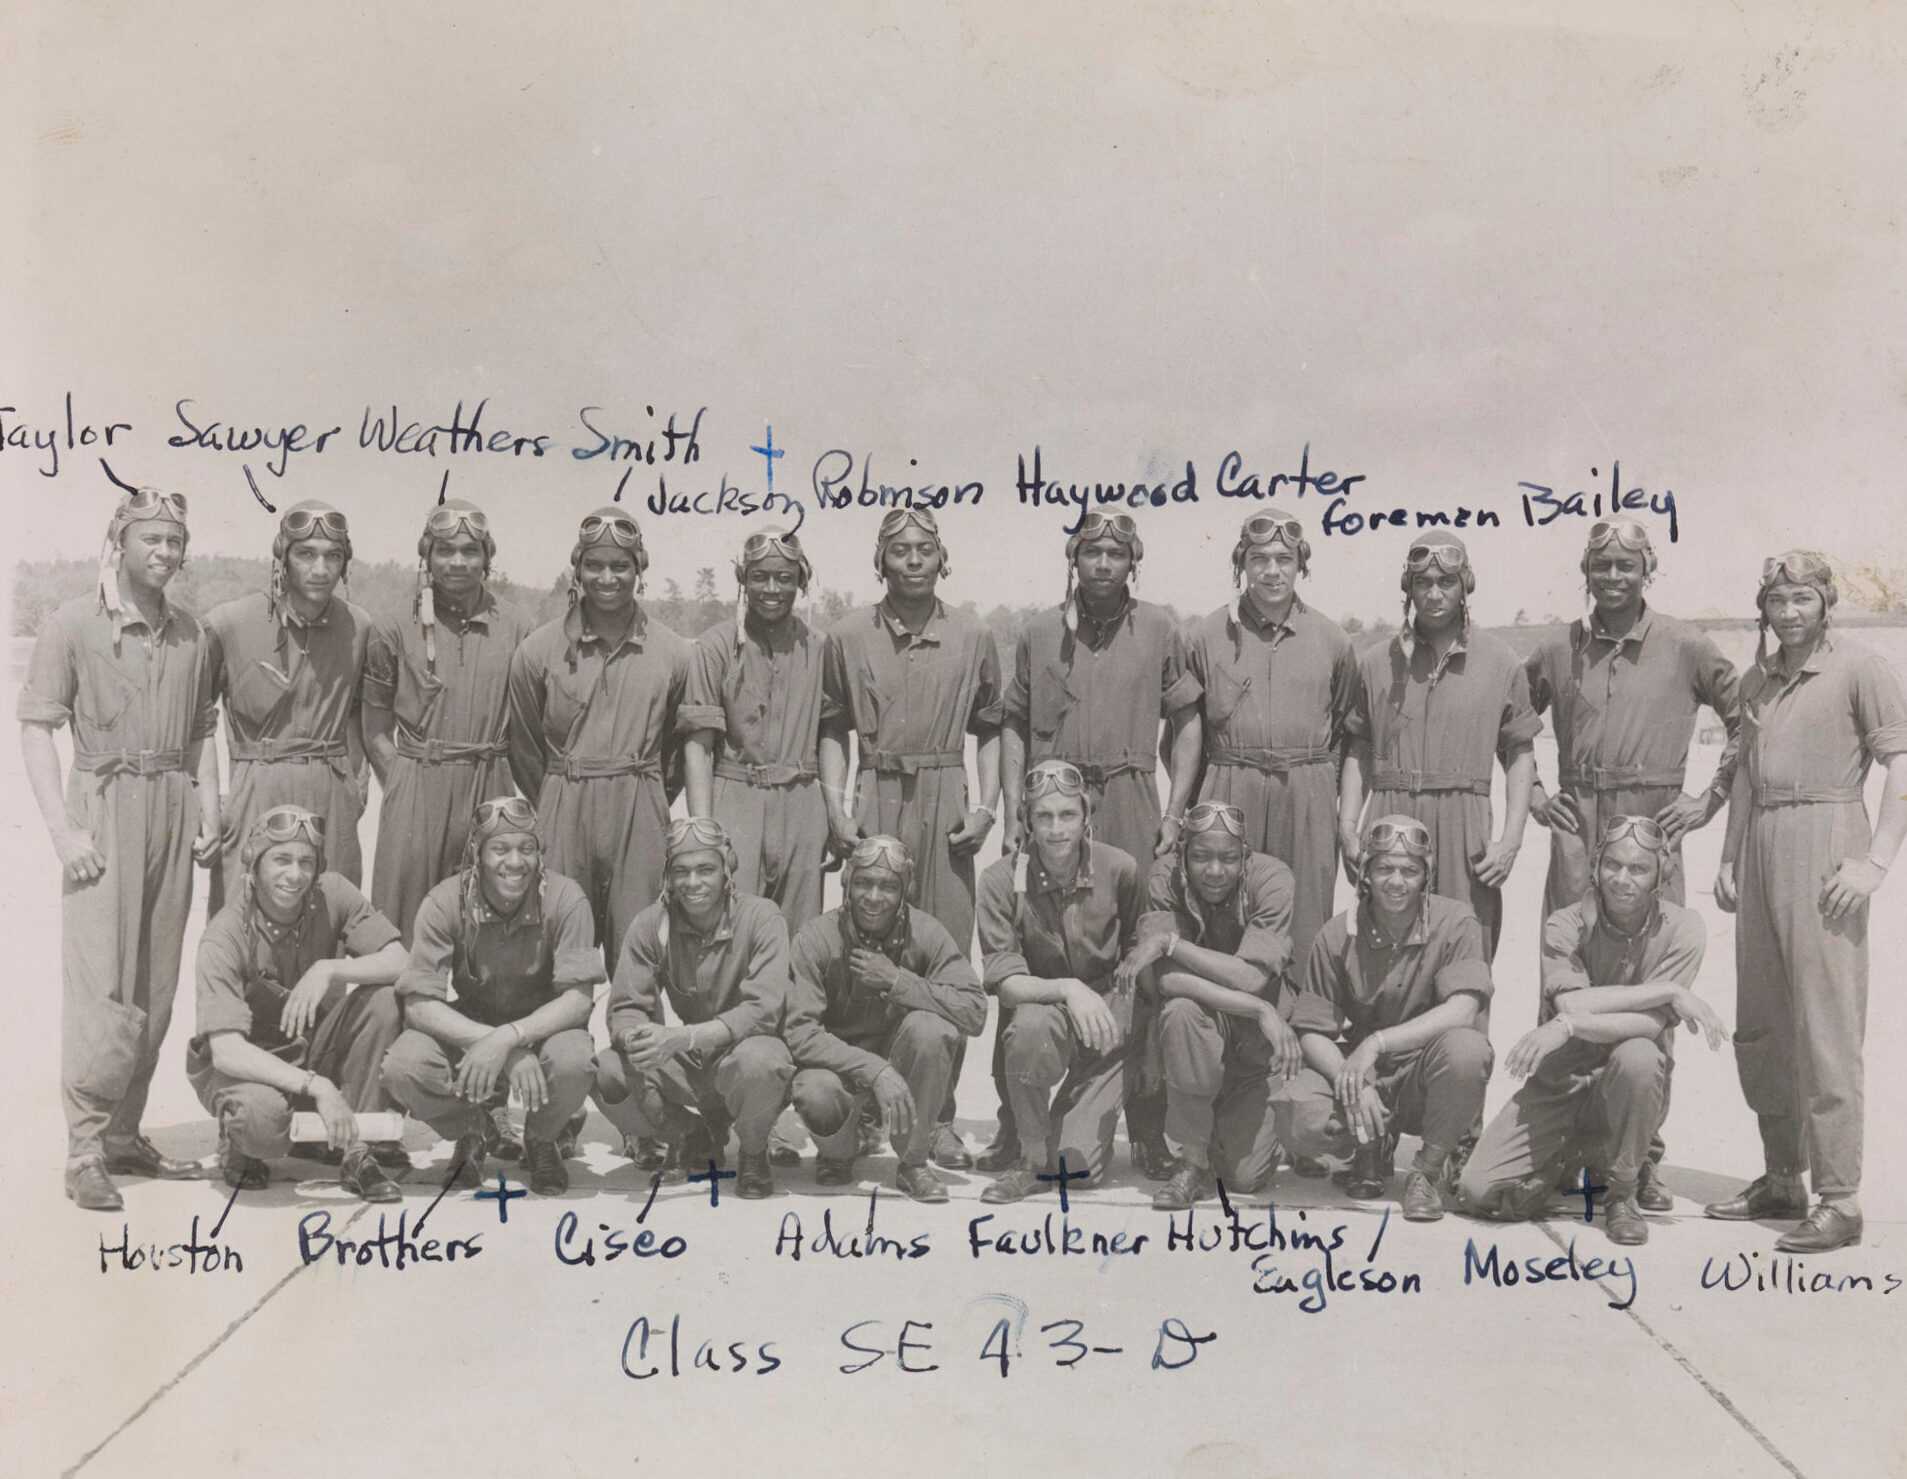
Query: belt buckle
point(433, 752)
point(146, 766)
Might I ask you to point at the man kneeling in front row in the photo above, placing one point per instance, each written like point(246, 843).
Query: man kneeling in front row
point(263, 1048)
point(1619, 970)
point(1402, 981)
point(722, 958)
point(1216, 941)
point(518, 946)
point(881, 999)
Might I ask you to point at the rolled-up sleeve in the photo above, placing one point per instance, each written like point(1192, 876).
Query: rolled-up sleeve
point(1520, 723)
point(52, 678)
point(1266, 942)
point(1178, 684)
point(433, 951)
point(361, 928)
point(1315, 1006)
point(702, 695)
point(378, 689)
point(219, 985)
point(996, 921)
point(989, 709)
point(1463, 966)
point(1016, 705)
point(1686, 949)
point(1563, 966)
point(1880, 711)
point(576, 957)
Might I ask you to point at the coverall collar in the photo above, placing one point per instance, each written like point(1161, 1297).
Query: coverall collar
point(1039, 881)
point(1250, 615)
point(528, 913)
point(929, 631)
point(1594, 630)
point(577, 630)
point(1373, 933)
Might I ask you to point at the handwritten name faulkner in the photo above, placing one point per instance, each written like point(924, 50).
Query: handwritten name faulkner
point(657, 456)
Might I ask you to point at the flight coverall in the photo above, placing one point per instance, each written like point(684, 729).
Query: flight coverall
point(1357, 982)
point(1808, 738)
point(247, 966)
point(1590, 1104)
point(912, 700)
point(1624, 712)
point(588, 729)
point(451, 730)
point(1052, 931)
point(764, 699)
point(1434, 726)
point(138, 716)
point(1084, 695)
point(736, 975)
point(1276, 702)
point(1218, 1085)
point(290, 692)
point(842, 1036)
point(494, 969)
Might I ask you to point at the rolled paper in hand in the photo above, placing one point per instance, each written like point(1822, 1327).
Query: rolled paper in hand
point(374, 1126)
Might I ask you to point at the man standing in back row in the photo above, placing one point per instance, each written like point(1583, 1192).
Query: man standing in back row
point(1800, 859)
point(129, 672)
point(1280, 680)
point(913, 678)
point(287, 665)
point(436, 710)
point(1435, 705)
point(593, 699)
point(1092, 682)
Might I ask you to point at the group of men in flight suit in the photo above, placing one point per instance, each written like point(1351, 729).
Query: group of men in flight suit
point(1173, 958)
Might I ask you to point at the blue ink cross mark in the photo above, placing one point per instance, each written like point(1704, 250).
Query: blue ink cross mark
point(769, 452)
point(714, 1176)
point(1062, 1176)
point(1588, 1191)
point(502, 1196)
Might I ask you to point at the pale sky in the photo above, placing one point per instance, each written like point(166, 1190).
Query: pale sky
point(1450, 255)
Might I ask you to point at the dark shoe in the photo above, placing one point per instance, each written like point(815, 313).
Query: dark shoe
point(782, 1151)
point(1002, 1155)
point(949, 1150)
point(753, 1178)
point(1422, 1203)
point(1370, 1171)
point(833, 1170)
point(140, 1157)
point(89, 1188)
point(571, 1132)
point(393, 1158)
point(365, 1177)
point(1651, 1194)
point(922, 1183)
point(1765, 1196)
point(1823, 1230)
point(647, 1152)
point(1309, 1167)
point(242, 1172)
point(1625, 1221)
point(466, 1160)
point(1188, 1186)
point(873, 1135)
point(501, 1139)
point(1523, 1201)
point(543, 1159)
point(1015, 1186)
point(1153, 1159)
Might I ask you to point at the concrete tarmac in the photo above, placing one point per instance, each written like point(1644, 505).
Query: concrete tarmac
point(523, 1358)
